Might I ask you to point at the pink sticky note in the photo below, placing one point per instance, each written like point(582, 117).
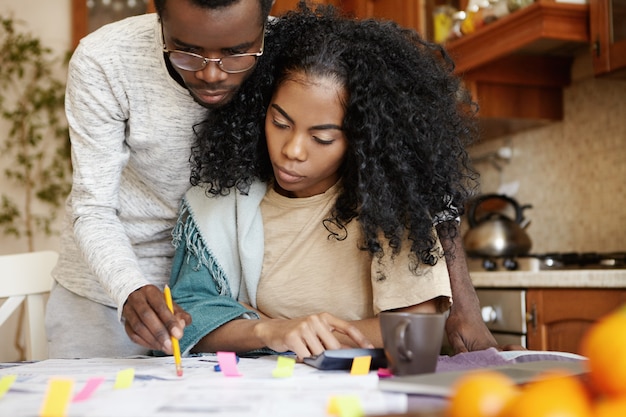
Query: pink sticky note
point(228, 363)
point(89, 388)
point(384, 373)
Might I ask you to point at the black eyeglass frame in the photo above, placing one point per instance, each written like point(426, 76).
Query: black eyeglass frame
point(218, 61)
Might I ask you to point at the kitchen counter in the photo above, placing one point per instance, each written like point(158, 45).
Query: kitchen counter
point(580, 278)
point(547, 310)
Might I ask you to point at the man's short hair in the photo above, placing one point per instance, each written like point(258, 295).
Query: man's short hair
point(266, 5)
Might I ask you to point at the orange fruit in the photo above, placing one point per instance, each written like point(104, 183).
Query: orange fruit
point(610, 407)
point(481, 394)
point(604, 345)
point(553, 394)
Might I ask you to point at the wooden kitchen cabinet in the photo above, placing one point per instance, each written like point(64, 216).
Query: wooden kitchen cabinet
point(558, 318)
point(517, 67)
point(608, 36)
point(406, 13)
point(545, 28)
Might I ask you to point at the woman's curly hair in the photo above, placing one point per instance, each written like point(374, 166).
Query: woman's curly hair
point(407, 120)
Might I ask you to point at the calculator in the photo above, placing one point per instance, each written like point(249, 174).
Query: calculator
point(341, 359)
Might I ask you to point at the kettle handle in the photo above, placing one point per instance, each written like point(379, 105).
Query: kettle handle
point(519, 210)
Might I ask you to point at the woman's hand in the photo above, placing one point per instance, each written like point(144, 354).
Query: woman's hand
point(307, 336)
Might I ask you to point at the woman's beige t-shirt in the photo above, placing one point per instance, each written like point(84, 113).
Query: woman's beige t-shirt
point(306, 270)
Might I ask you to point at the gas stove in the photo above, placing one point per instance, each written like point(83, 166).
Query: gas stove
point(554, 261)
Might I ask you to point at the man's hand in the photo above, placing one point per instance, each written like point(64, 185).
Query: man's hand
point(148, 321)
point(309, 335)
point(467, 332)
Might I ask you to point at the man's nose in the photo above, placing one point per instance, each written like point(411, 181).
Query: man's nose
point(211, 73)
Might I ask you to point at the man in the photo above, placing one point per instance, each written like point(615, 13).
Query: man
point(132, 101)
point(135, 90)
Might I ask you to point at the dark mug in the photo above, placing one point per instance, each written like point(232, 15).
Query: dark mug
point(412, 341)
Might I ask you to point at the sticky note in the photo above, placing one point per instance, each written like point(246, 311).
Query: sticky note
point(384, 373)
point(124, 378)
point(345, 406)
point(90, 386)
point(5, 383)
point(361, 365)
point(228, 363)
point(57, 398)
point(284, 367)
point(217, 368)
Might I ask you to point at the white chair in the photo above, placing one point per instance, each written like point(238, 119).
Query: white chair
point(25, 278)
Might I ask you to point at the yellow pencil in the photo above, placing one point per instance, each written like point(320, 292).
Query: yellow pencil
point(175, 346)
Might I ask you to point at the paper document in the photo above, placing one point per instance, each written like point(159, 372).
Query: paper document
point(153, 389)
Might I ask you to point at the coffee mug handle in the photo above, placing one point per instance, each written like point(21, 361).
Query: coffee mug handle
point(404, 353)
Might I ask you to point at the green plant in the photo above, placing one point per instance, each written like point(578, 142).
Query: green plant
point(35, 140)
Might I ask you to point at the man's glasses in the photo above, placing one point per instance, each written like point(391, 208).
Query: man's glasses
point(232, 64)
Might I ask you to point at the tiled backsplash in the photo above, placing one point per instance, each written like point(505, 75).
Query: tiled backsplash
point(572, 172)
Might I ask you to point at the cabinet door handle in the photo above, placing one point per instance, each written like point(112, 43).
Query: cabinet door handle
point(490, 315)
point(596, 47)
point(531, 317)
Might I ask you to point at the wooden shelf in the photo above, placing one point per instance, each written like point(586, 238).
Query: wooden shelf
point(517, 67)
point(543, 28)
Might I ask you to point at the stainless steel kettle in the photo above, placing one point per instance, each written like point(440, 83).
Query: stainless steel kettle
point(495, 234)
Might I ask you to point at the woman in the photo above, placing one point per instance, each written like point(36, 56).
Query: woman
point(328, 215)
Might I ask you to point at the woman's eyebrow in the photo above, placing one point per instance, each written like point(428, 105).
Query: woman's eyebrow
point(281, 111)
point(327, 126)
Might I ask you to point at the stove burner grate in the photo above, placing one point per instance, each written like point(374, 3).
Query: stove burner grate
point(584, 260)
point(551, 261)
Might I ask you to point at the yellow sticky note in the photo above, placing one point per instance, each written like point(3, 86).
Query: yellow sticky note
point(57, 398)
point(345, 406)
point(282, 372)
point(332, 408)
point(5, 383)
point(124, 378)
point(361, 365)
point(284, 367)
